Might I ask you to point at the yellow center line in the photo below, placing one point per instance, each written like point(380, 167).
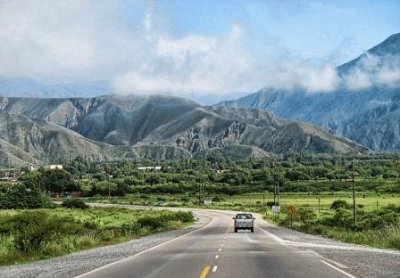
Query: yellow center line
point(205, 271)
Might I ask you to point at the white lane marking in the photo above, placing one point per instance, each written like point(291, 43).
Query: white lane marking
point(220, 250)
point(144, 251)
point(278, 239)
point(215, 267)
point(338, 269)
point(216, 257)
point(336, 263)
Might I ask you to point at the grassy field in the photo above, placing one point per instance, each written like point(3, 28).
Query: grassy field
point(258, 201)
point(378, 214)
point(369, 201)
point(29, 235)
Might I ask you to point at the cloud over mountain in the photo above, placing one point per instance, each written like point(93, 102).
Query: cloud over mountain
point(139, 51)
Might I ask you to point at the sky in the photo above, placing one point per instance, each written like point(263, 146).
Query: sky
point(194, 48)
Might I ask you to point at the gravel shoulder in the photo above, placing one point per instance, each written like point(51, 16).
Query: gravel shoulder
point(357, 260)
point(81, 262)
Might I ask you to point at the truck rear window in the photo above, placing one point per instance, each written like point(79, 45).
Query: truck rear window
point(244, 216)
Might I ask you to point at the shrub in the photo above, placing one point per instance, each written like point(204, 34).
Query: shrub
point(20, 197)
point(86, 241)
point(130, 228)
point(34, 228)
point(339, 204)
point(306, 215)
point(217, 199)
point(341, 218)
point(152, 222)
point(6, 225)
point(271, 203)
point(75, 203)
point(184, 216)
point(185, 199)
point(394, 242)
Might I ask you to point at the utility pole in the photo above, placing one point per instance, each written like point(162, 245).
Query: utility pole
point(199, 193)
point(263, 197)
point(354, 194)
point(109, 192)
point(276, 181)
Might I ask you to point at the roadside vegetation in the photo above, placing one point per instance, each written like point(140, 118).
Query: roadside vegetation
point(311, 184)
point(28, 235)
point(378, 227)
point(326, 214)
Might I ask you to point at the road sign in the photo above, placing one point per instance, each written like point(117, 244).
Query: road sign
point(291, 210)
point(276, 208)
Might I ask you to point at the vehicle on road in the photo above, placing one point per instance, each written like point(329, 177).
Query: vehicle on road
point(244, 221)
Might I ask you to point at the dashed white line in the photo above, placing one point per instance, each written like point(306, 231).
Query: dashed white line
point(215, 267)
point(338, 269)
point(220, 250)
point(216, 257)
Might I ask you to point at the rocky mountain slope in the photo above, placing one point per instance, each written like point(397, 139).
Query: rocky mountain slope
point(366, 112)
point(23, 140)
point(156, 127)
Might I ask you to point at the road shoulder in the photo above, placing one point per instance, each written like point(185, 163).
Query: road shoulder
point(78, 263)
point(358, 260)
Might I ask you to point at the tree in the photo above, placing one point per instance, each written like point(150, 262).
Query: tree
point(50, 180)
point(20, 197)
point(58, 181)
point(295, 175)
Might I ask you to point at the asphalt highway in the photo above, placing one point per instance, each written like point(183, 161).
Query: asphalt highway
point(216, 251)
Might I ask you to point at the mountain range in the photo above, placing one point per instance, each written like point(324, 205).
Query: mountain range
point(36, 130)
point(154, 127)
point(365, 110)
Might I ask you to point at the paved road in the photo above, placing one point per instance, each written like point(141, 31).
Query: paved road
point(216, 251)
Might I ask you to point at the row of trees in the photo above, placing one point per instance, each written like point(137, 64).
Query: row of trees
point(296, 174)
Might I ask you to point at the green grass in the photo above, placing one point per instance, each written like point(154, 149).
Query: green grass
point(387, 236)
point(368, 200)
point(29, 235)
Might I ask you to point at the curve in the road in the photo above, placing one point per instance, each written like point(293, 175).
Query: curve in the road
point(216, 251)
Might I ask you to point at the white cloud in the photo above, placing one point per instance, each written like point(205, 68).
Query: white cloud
point(78, 39)
point(357, 80)
point(192, 65)
point(374, 70)
point(190, 45)
point(296, 75)
point(40, 38)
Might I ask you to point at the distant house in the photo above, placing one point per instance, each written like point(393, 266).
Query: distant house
point(150, 168)
point(54, 167)
point(9, 179)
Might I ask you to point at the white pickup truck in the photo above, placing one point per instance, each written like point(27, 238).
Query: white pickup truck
point(244, 221)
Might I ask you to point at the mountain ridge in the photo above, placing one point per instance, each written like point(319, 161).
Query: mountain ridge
point(110, 125)
point(361, 115)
